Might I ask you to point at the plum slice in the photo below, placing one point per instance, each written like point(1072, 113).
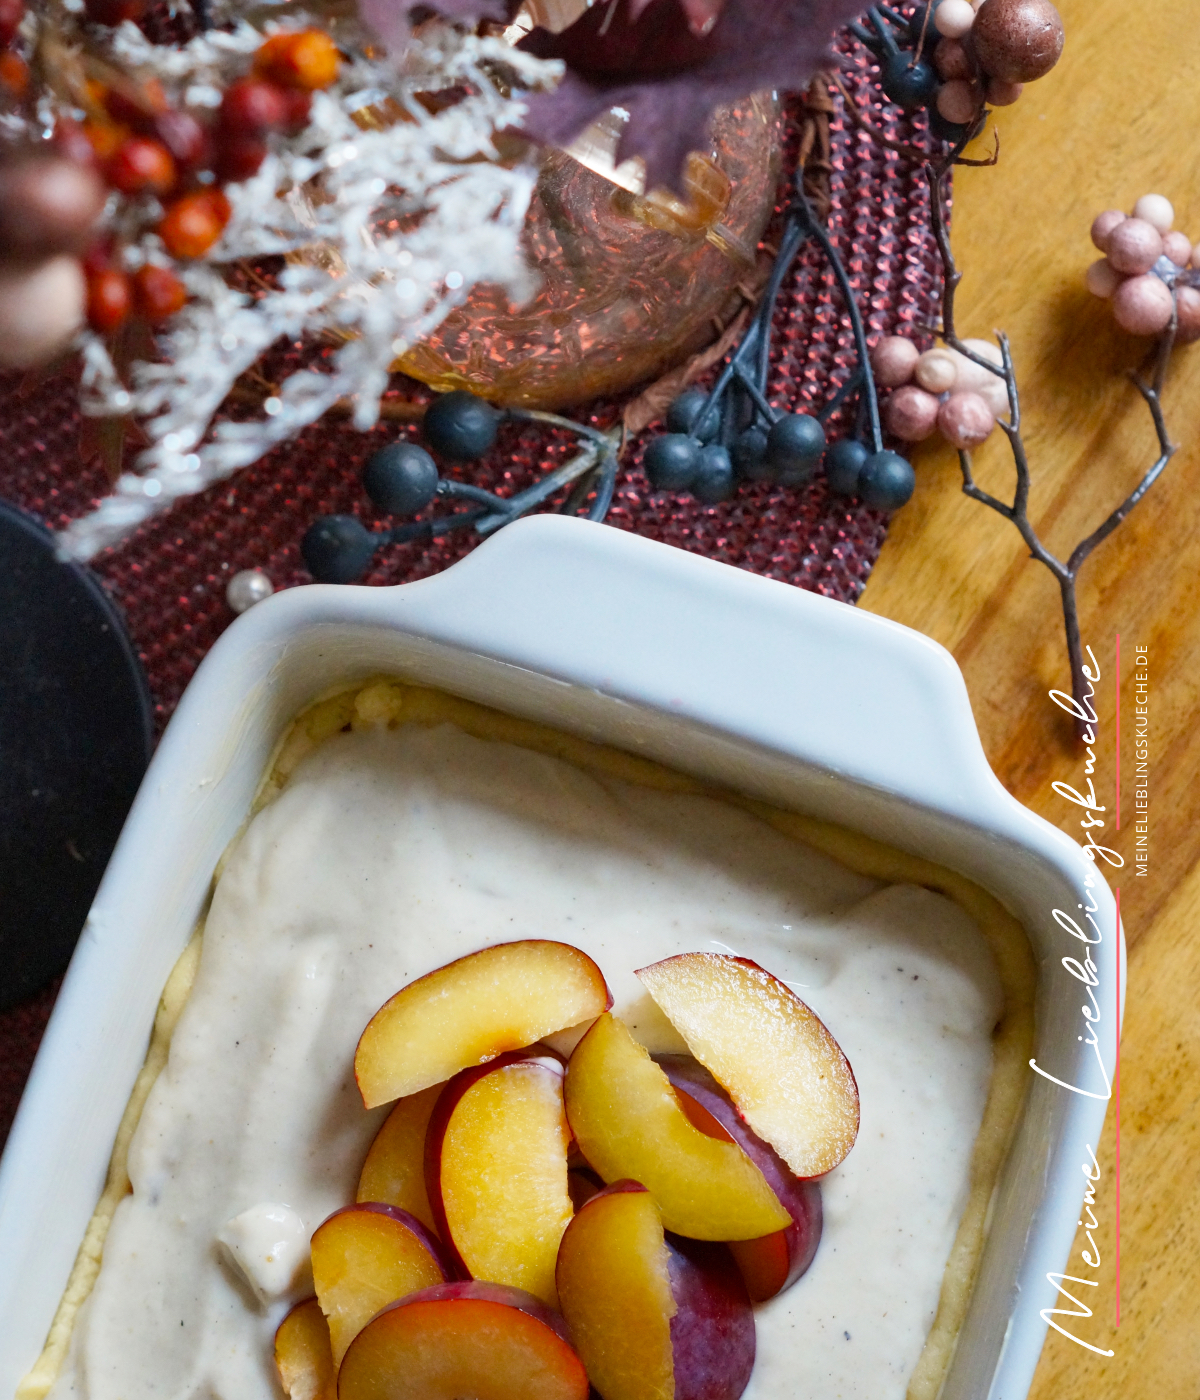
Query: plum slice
point(365, 1257)
point(303, 1355)
point(394, 1171)
point(774, 1262)
point(502, 998)
point(781, 1067)
point(464, 1341)
point(496, 1170)
point(653, 1318)
point(629, 1124)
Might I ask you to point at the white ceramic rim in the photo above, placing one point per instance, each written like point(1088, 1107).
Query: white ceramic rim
point(769, 689)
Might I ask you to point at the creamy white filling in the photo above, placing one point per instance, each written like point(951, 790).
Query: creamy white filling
point(392, 852)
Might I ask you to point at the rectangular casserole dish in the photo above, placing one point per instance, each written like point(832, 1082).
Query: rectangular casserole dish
point(764, 689)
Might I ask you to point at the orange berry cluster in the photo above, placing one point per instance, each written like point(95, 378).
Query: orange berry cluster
point(141, 145)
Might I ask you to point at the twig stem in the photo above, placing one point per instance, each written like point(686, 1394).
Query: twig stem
point(1066, 573)
point(815, 229)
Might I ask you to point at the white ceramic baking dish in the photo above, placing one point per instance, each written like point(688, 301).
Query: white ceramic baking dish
point(770, 690)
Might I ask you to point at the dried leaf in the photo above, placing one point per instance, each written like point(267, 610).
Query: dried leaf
point(671, 81)
point(815, 156)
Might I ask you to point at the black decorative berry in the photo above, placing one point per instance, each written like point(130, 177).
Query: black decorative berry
point(714, 480)
point(843, 466)
point(401, 478)
point(685, 410)
point(461, 426)
point(750, 456)
point(338, 548)
point(886, 481)
point(945, 130)
point(671, 461)
point(794, 447)
point(909, 85)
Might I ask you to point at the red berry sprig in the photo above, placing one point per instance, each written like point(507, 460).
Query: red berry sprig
point(141, 146)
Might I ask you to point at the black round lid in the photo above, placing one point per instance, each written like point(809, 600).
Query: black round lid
point(75, 735)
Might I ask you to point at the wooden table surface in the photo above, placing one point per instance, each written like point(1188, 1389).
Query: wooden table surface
point(1118, 117)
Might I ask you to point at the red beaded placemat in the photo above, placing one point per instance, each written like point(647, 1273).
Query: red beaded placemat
point(170, 578)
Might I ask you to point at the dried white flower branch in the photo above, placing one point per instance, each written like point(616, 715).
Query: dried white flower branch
point(410, 217)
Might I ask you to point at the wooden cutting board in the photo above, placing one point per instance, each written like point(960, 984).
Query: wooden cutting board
point(1118, 117)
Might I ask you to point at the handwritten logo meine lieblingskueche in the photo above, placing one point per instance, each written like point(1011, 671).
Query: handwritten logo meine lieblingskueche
point(1084, 969)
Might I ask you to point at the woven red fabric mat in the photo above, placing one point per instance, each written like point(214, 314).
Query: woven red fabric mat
point(170, 578)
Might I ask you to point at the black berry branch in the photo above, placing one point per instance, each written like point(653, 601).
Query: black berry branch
point(732, 431)
point(403, 479)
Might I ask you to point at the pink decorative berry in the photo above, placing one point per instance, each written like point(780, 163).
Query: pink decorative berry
point(1156, 209)
point(1102, 279)
point(893, 360)
point(990, 387)
point(1001, 93)
point(1178, 247)
point(1187, 305)
point(954, 18)
point(1142, 305)
point(1103, 225)
point(951, 60)
point(1134, 246)
point(965, 420)
point(1018, 40)
point(911, 414)
point(936, 371)
point(958, 100)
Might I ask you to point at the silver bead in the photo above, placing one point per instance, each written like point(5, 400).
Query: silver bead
point(247, 588)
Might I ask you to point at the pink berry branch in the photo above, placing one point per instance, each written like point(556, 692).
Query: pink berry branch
point(1065, 572)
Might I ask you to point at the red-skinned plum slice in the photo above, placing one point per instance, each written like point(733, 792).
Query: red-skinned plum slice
point(630, 1125)
point(367, 1256)
point(496, 1170)
point(712, 1332)
point(582, 1185)
point(769, 1051)
point(466, 1013)
point(773, 1262)
point(464, 1341)
point(394, 1171)
point(654, 1318)
point(303, 1355)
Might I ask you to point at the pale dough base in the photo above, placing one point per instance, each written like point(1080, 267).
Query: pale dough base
point(393, 703)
